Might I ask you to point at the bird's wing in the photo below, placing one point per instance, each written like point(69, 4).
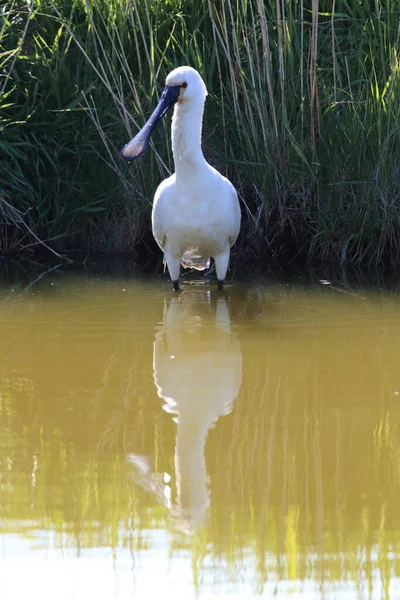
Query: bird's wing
point(157, 214)
point(161, 206)
point(158, 231)
point(236, 217)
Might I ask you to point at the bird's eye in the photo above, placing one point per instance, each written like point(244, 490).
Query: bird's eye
point(184, 84)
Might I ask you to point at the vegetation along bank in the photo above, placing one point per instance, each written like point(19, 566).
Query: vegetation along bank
point(302, 116)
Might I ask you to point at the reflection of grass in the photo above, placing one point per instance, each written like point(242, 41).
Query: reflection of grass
point(304, 472)
point(11, 434)
point(286, 478)
point(305, 477)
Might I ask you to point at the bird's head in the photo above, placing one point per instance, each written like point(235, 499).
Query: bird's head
point(190, 84)
point(183, 85)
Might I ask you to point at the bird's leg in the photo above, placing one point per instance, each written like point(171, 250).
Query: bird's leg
point(221, 266)
point(174, 267)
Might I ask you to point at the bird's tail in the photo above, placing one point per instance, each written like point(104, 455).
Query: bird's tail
point(192, 261)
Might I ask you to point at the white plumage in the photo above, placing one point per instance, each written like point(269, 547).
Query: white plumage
point(197, 368)
point(197, 363)
point(196, 213)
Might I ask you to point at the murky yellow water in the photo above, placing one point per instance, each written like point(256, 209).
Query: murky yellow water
point(198, 445)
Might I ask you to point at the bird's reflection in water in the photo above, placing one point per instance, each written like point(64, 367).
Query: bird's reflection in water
point(197, 367)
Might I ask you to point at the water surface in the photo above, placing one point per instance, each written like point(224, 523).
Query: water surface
point(200, 445)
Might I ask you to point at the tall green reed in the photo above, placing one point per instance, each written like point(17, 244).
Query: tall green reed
point(302, 116)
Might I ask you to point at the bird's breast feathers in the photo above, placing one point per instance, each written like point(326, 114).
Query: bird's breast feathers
point(204, 212)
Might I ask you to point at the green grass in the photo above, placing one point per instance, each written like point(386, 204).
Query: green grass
point(302, 115)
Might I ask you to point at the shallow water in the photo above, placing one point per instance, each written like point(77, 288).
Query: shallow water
point(200, 445)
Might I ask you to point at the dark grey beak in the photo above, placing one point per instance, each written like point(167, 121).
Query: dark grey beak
point(138, 145)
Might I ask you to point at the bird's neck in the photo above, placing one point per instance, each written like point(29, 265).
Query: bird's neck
point(186, 137)
point(190, 467)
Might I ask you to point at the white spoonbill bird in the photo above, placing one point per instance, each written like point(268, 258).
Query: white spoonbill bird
point(196, 212)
